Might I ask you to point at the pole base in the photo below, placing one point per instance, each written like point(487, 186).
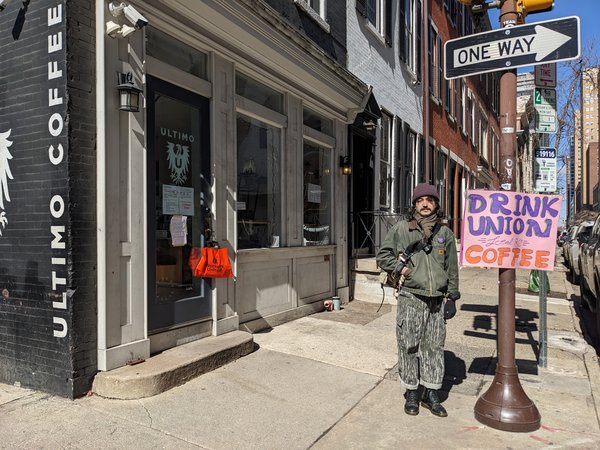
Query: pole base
point(505, 406)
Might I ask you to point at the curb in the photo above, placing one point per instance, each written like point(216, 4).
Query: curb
point(172, 367)
point(590, 359)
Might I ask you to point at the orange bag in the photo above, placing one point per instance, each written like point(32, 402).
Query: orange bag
point(213, 264)
point(194, 259)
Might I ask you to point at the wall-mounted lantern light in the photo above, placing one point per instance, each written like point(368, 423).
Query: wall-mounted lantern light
point(129, 93)
point(369, 125)
point(345, 165)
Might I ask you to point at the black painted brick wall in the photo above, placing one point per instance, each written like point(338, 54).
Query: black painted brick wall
point(30, 352)
point(81, 69)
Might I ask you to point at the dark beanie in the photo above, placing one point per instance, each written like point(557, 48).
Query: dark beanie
point(424, 189)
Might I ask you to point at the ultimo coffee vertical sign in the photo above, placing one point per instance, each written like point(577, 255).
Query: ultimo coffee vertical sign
point(58, 202)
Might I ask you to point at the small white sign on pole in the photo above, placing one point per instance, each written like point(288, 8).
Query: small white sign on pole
point(544, 169)
point(545, 75)
point(544, 102)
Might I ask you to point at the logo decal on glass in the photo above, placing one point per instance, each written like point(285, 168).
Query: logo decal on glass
point(179, 161)
point(5, 175)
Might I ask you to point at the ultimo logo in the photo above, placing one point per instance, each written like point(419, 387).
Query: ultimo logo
point(5, 175)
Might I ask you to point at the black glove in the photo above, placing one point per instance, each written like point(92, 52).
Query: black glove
point(449, 309)
point(453, 295)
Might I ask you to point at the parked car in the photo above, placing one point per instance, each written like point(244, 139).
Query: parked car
point(589, 276)
point(561, 237)
point(570, 236)
point(583, 234)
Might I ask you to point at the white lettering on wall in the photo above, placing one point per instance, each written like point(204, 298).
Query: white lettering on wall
point(56, 157)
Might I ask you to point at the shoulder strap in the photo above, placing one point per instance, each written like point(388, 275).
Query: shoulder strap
point(420, 244)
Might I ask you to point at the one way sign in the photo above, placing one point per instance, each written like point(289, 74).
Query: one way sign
point(524, 45)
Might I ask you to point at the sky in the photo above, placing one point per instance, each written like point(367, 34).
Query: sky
point(588, 12)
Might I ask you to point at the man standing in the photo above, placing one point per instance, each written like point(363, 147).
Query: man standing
point(419, 253)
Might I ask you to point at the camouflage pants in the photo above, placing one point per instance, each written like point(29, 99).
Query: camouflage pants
point(421, 333)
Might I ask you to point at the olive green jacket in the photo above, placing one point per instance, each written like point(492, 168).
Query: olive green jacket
point(433, 274)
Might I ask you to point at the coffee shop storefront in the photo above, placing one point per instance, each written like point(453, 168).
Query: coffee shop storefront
point(238, 141)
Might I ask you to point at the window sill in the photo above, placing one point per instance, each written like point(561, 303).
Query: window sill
point(313, 14)
point(434, 99)
point(374, 31)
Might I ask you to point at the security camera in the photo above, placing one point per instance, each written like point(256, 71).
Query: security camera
point(134, 16)
point(112, 28)
point(4, 4)
point(131, 14)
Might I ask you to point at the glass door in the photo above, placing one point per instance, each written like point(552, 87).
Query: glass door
point(178, 187)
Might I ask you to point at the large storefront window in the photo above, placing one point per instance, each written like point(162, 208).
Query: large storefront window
point(168, 49)
point(259, 184)
point(317, 195)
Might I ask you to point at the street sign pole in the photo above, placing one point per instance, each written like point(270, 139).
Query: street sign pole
point(505, 406)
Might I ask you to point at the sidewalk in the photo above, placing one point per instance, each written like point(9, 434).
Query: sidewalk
point(328, 381)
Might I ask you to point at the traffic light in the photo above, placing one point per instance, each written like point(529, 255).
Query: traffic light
point(525, 7)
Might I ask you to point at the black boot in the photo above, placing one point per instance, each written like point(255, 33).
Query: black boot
point(432, 403)
point(411, 407)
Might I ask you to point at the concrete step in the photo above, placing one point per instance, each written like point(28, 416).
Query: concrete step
point(366, 265)
point(172, 367)
point(368, 290)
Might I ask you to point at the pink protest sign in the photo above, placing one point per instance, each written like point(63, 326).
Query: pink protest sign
point(510, 230)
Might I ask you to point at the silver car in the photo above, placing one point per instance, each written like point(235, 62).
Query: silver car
point(589, 275)
point(567, 243)
point(583, 233)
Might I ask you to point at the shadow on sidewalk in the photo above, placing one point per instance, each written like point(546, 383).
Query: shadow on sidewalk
point(455, 373)
point(483, 328)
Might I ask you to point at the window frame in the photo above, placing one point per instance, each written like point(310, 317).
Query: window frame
point(386, 147)
point(320, 16)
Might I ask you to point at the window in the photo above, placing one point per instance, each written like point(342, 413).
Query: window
point(461, 105)
point(436, 70)
point(259, 183)
point(385, 176)
point(258, 92)
point(379, 16)
point(448, 98)
point(317, 122)
point(410, 35)
point(472, 124)
point(317, 195)
point(451, 7)
point(483, 137)
point(317, 10)
point(318, 6)
point(440, 175)
point(168, 49)
point(405, 167)
point(408, 166)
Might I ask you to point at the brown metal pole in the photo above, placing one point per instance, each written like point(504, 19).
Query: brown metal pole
point(505, 406)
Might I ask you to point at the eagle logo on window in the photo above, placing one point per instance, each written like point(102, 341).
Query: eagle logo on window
point(5, 175)
point(178, 157)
